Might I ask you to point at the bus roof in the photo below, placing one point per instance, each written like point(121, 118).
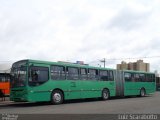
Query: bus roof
point(138, 71)
point(62, 63)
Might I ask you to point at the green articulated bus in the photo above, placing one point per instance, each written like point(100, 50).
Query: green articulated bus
point(37, 81)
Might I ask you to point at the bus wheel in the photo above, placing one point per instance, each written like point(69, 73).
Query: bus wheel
point(105, 94)
point(57, 97)
point(142, 92)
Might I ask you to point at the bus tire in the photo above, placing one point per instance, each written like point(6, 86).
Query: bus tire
point(105, 94)
point(142, 92)
point(57, 97)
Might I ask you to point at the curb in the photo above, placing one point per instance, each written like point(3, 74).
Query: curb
point(6, 102)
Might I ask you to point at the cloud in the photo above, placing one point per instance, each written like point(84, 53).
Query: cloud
point(128, 19)
point(79, 30)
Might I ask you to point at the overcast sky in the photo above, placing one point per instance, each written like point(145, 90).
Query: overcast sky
point(87, 30)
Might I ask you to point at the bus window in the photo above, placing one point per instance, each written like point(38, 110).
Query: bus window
point(83, 73)
point(7, 78)
point(152, 79)
point(128, 77)
point(57, 72)
point(92, 74)
point(72, 73)
point(157, 80)
point(103, 75)
point(136, 78)
point(110, 73)
point(2, 78)
point(38, 75)
point(149, 77)
point(142, 78)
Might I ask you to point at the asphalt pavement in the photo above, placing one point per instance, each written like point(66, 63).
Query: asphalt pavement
point(134, 105)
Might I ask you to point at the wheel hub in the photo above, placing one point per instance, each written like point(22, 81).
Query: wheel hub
point(57, 97)
point(105, 95)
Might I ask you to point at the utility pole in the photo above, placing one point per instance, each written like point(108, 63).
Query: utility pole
point(104, 61)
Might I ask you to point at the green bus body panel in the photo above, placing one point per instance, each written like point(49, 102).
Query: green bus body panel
point(133, 88)
point(72, 90)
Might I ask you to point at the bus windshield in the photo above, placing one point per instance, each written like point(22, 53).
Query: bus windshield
point(18, 77)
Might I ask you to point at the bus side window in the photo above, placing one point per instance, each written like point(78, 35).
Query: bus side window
point(93, 74)
point(136, 78)
point(152, 78)
point(142, 78)
point(2, 78)
point(7, 78)
point(57, 72)
point(128, 77)
point(34, 75)
point(97, 75)
point(38, 75)
point(83, 74)
point(110, 73)
point(103, 75)
point(149, 78)
point(72, 73)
